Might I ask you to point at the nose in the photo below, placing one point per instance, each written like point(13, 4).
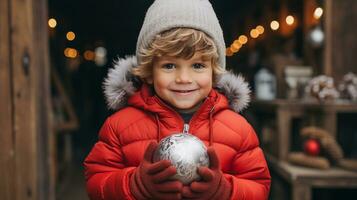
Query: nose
point(183, 76)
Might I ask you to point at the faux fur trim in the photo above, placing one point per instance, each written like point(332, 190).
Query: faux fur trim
point(235, 89)
point(120, 84)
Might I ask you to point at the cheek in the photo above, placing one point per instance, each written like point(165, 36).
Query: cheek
point(157, 77)
point(161, 84)
point(206, 81)
point(161, 81)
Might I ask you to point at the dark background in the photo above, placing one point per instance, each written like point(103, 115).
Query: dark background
point(115, 25)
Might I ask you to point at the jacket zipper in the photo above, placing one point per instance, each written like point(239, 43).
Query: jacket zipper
point(186, 127)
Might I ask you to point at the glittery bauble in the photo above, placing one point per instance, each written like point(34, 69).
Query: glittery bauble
point(312, 147)
point(186, 152)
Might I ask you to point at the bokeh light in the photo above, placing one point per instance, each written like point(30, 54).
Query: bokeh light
point(260, 29)
point(52, 23)
point(290, 20)
point(274, 25)
point(243, 39)
point(254, 33)
point(70, 36)
point(318, 13)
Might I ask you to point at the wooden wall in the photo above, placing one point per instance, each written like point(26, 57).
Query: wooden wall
point(25, 151)
point(341, 41)
point(7, 182)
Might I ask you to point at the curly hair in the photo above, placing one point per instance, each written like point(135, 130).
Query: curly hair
point(178, 42)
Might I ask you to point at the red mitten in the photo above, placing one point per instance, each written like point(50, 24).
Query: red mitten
point(213, 184)
point(151, 180)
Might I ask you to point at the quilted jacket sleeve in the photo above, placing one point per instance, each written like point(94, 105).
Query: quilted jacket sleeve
point(250, 177)
point(107, 177)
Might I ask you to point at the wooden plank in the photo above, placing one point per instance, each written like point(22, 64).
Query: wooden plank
point(45, 133)
point(283, 134)
point(31, 100)
point(303, 179)
point(19, 89)
point(301, 192)
point(333, 177)
point(72, 121)
point(31, 89)
point(24, 99)
point(7, 184)
point(341, 45)
point(328, 14)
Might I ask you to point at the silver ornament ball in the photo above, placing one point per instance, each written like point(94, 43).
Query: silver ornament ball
point(186, 152)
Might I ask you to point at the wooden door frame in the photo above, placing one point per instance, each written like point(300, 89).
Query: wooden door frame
point(26, 161)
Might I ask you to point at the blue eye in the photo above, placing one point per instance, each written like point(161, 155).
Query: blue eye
point(168, 66)
point(198, 66)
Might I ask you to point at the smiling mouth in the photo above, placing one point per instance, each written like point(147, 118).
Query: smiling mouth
point(183, 91)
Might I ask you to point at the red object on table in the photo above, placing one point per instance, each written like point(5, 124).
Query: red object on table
point(312, 147)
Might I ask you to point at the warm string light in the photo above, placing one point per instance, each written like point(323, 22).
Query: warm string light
point(52, 23)
point(236, 45)
point(70, 36)
point(243, 39)
point(274, 25)
point(318, 13)
point(70, 52)
point(229, 52)
point(98, 56)
point(254, 33)
point(259, 30)
point(290, 20)
point(234, 48)
point(89, 55)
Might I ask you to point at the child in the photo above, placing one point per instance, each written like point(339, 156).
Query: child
point(176, 83)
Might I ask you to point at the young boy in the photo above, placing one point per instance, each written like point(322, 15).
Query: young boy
point(176, 83)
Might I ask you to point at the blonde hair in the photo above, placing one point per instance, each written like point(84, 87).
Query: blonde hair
point(178, 42)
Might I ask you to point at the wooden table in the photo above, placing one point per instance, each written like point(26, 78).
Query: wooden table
point(303, 179)
point(285, 110)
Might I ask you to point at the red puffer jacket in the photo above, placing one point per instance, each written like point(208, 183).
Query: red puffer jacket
point(125, 135)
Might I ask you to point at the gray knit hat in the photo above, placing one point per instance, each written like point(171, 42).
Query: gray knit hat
point(167, 14)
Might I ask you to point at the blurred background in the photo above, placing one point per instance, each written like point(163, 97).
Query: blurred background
point(297, 55)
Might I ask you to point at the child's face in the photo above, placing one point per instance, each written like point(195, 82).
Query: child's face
point(182, 83)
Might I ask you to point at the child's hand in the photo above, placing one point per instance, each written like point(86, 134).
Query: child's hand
point(213, 185)
point(151, 180)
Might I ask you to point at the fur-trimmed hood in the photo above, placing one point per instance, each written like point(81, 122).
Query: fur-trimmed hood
point(120, 84)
